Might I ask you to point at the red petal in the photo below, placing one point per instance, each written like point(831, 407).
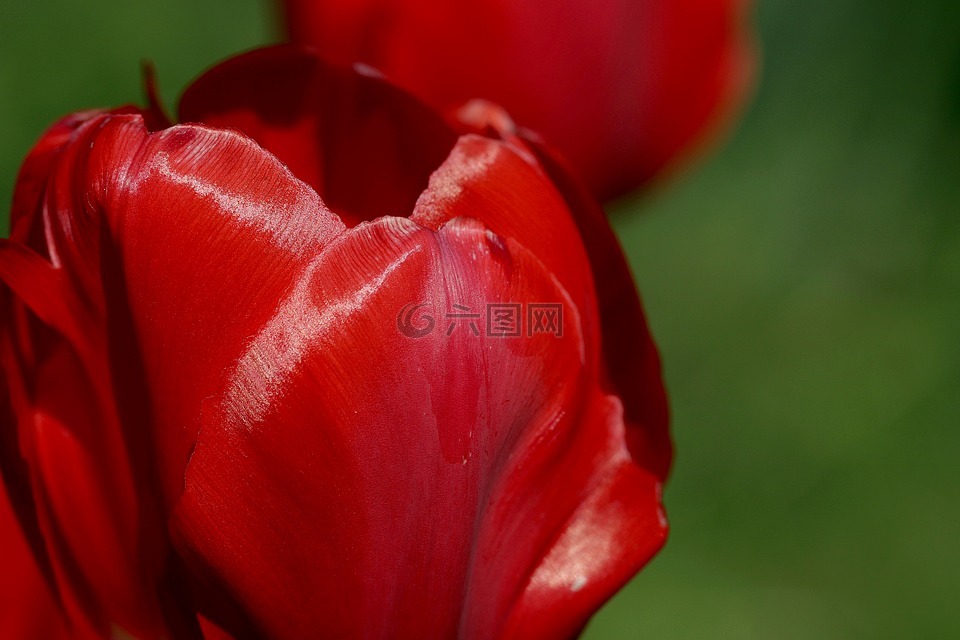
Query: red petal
point(630, 355)
point(28, 609)
point(129, 345)
point(365, 146)
point(95, 535)
point(611, 535)
point(83, 500)
point(621, 87)
point(35, 171)
point(176, 203)
point(502, 185)
point(352, 481)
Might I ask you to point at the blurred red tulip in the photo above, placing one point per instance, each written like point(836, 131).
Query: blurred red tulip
point(259, 390)
point(624, 88)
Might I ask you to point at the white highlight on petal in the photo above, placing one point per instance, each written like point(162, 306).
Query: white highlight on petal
point(460, 168)
point(278, 350)
point(288, 215)
point(367, 70)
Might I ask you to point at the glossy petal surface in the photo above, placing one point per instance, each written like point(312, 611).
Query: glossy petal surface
point(125, 358)
point(350, 473)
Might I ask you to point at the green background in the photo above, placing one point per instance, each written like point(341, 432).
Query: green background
point(804, 284)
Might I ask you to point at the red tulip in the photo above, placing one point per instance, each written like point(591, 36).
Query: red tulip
point(624, 88)
point(255, 388)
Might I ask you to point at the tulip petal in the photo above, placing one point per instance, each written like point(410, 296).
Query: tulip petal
point(629, 353)
point(28, 609)
point(83, 499)
point(366, 147)
point(631, 356)
point(127, 344)
point(353, 479)
point(36, 170)
point(502, 185)
point(174, 203)
point(613, 533)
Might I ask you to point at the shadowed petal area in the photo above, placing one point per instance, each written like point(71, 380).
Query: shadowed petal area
point(28, 610)
point(348, 473)
point(76, 488)
point(631, 356)
point(365, 146)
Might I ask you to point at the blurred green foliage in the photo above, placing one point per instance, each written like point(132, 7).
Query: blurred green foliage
point(804, 283)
